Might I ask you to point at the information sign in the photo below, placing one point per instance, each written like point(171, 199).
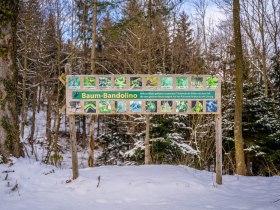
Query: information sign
point(143, 94)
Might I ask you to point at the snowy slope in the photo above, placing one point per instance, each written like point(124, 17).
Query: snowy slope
point(153, 187)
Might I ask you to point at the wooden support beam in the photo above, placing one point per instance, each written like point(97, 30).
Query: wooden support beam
point(218, 129)
point(75, 169)
point(147, 141)
point(73, 137)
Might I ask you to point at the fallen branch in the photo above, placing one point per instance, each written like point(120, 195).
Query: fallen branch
point(98, 181)
point(8, 171)
point(50, 172)
point(15, 188)
point(68, 181)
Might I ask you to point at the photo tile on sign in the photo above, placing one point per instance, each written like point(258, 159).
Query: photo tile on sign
point(74, 82)
point(120, 82)
point(197, 106)
point(90, 106)
point(90, 82)
point(135, 82)
point(135, 106)
point(151, 106)
point(105, 107)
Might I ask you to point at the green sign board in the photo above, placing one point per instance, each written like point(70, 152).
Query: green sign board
point(143, 94)
point(83, 95)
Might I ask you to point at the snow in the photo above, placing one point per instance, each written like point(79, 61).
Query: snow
point(156, 187)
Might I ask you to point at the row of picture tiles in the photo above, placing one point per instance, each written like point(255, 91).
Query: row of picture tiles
point(121, 82)
point(149, 106)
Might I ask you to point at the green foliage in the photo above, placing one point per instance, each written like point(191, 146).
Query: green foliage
point(56, 158)
point(120, 106)
point(212, 82)
point(181, 106)
point(8, 11)
point(197, 107)
point(166, 81)
point(90, 81)
point(166, 106)
point(261, 125)
point(105, 107)
point(135, 82)
point(104, 82)
point(181, 82)
point(90, 106)
point(152, 81)
point(151, 106)
point(120, 82)
point(164, 152)
point(197, 82)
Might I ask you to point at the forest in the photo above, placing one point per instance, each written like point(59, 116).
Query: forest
point(38, 38)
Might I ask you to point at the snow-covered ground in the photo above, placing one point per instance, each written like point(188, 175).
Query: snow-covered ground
point(152, 187)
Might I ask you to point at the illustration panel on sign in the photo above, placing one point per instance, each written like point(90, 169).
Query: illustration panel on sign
point(135, 106)
point(211, 106)
point(197, 106)
point(90, 82)
point(212, 82)
point(120, 106)
point(136, 82)
point(166, 82)
point(105, 82)
point(90, 107)
point(105, 107)
point(181, 82)
point(197, 82)
point(166, 106)
point(152, 82)
point(151, 106)
point(120, 82)
point(181, 106)
point(75, 106)
point(74, 82)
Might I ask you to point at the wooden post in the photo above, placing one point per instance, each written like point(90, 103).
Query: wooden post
point(75, 169)
point(91, 142)
point(147, 141)
point(218, 128)
point(73, 136)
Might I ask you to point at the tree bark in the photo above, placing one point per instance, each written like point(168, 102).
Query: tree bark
point(147, 136)
point(238, 138)
point(9, 129)
point(48, 118)
point(93, 70)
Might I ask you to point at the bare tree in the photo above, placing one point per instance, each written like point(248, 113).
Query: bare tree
point(239, 69)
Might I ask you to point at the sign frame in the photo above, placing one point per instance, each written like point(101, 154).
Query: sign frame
point(181, 94)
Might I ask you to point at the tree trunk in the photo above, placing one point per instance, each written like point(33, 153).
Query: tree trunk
point(93, 70)
point(147, 137)
point(48, 118)
point(9, 136)
point(238, 138)
point(24, 99)
point(33, 119)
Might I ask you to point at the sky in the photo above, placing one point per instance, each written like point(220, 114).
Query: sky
point(213, 13)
